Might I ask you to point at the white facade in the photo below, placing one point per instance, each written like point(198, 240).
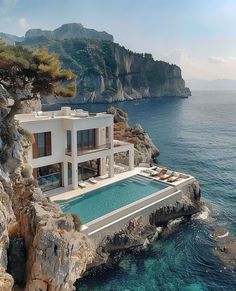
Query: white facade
point(59, 124)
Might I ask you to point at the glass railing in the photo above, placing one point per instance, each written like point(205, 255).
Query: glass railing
point(82, 151)
point(49, 182)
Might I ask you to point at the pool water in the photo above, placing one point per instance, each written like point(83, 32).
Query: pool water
point(111, 197)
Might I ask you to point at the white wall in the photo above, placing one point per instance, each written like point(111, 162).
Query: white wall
point(58, 141)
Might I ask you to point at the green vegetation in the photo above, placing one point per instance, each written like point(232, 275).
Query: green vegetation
point(26, 74)
point(106, 64)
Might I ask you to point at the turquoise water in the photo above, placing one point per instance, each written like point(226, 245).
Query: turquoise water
point(197, 136)
point(108, 198)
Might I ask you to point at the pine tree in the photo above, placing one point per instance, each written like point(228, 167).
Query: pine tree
point(26, 75)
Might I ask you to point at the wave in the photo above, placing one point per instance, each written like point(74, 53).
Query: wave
point(203, 215)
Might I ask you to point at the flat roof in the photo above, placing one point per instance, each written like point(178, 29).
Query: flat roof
point(64, 113)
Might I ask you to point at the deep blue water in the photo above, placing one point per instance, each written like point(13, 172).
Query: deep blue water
point(111, 197)
point(197, 136)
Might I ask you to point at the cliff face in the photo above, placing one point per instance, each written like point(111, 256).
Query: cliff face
point(108, 72)
point(42, 248)
point(144, 149)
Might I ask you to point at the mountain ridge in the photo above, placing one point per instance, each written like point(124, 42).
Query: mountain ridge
point(65, 31)
point(106, 71)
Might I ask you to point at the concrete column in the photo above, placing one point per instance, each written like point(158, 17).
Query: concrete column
point(111, 166)
point(131, 158)
point(111, 135)
point(65, 174)
point(74, 159)
point(74, 175)
point(102, 167)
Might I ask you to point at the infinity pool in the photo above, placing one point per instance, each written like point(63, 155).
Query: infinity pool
point(111, 197)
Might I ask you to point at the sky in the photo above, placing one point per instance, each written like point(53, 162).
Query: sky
point(197, 35)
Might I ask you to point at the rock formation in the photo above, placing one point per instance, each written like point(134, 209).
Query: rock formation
point(106, 71)
point(67, 31)
point(144, 149)
point(225, 248)
point(49, 250)
point(137, 234)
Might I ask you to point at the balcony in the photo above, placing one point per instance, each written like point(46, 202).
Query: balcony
point(84, 151)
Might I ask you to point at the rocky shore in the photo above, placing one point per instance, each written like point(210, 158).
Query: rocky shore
point(144, 148)
point(43, 249)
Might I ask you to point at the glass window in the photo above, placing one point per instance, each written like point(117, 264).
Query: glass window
point(86, 139)
point(49, 177)
point(42, 146)
point(68, 137)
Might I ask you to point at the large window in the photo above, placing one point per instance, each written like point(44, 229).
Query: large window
point(86, 139)
point(88, 169)
point(49, 177)
point(42, 146)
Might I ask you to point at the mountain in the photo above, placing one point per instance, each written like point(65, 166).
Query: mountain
point(106, 71)
point(67, 31)
point(211, 85)
point(10, 38)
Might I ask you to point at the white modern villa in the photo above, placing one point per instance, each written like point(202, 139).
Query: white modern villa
point(72, 146)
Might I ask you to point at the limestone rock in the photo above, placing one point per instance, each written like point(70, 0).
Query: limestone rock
point(145, 150)
point(6, 280)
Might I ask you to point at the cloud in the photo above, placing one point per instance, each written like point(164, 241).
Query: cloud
point(23, 23)
point(222, 60)
point(213, 67)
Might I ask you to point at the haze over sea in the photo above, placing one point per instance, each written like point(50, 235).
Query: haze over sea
point(198, 136)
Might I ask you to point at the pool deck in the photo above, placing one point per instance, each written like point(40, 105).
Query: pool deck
point(60, 194)
point(67, 193)
point(113, 221)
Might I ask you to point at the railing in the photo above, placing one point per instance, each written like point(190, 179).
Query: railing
point(49, 181)
point(87, 150)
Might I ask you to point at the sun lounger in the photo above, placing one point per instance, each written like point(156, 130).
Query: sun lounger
point(167, 175)
point(82, 184)
point(173, 178)
point(160, 173)
point(148, 171)
point(93, 180)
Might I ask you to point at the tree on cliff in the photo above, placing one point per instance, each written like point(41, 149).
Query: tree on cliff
point(26, 75)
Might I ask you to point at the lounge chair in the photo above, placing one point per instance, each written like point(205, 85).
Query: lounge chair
point(167, 175)
point(82, 184)
point(93, 180)
point(160, 173)
point(174, 178)
point(148, 171)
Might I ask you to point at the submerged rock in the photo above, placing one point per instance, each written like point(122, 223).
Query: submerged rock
point(225, 248)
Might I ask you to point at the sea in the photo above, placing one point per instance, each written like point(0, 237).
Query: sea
point(197, 136)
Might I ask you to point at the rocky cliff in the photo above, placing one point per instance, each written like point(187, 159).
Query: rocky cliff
point(144, 149)
point(107, 72)
point(42, 248)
